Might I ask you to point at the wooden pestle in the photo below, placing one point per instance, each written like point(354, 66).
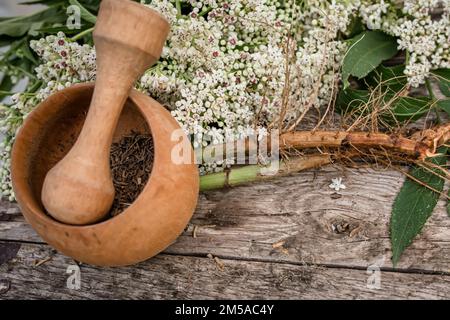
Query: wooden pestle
point(128, 39)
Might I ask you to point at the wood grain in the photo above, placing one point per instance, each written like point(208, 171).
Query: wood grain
point(291, 238)
point(186, 277)
point(298, 219)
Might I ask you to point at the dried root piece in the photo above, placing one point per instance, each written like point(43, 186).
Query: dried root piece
point(420, 148)
point(433, 139)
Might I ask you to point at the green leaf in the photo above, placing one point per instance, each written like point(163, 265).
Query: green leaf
point(85, 14)
point(444, 105)
point(62, 28)
point(401, 108)
point(388, 78)
point(93, 5)
point(409, 108)
point(14, 29)
point(5, 86)
point(366, 52)
point(19, 26)
point(5, 40)
point(445, 88)
point(414, 205)
point(443, 76)
point(349, 100)
point(26, 51)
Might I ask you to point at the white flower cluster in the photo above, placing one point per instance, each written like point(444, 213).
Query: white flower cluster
point(374, 14)
point(226, 64)
point(423, 8)
point(426, 38)
point(63, 64)
point(235, 68)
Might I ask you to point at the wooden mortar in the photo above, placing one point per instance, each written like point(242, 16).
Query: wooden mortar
point(150, 224)
point(129, 38)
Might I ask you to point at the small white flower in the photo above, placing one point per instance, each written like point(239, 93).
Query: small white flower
point(336, 184)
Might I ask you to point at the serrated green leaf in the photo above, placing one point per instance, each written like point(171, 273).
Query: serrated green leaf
point(414, 205)
point(365, 53)
point(443, 76)
point(85, 14)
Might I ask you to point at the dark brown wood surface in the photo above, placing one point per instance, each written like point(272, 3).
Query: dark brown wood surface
point(292, 238)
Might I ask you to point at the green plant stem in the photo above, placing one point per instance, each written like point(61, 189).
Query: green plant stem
point(25, 72)
point(433, 98)
point(82, 34)
point(252, 173)
point(204, 11)
point(178, 6)
point(430, 89)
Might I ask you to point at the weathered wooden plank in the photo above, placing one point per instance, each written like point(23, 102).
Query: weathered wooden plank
point(298, 219)
point(184, 277)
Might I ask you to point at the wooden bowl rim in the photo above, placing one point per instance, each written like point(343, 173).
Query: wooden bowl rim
point(23, 190)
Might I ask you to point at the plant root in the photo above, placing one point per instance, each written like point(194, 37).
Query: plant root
point(421, 148)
